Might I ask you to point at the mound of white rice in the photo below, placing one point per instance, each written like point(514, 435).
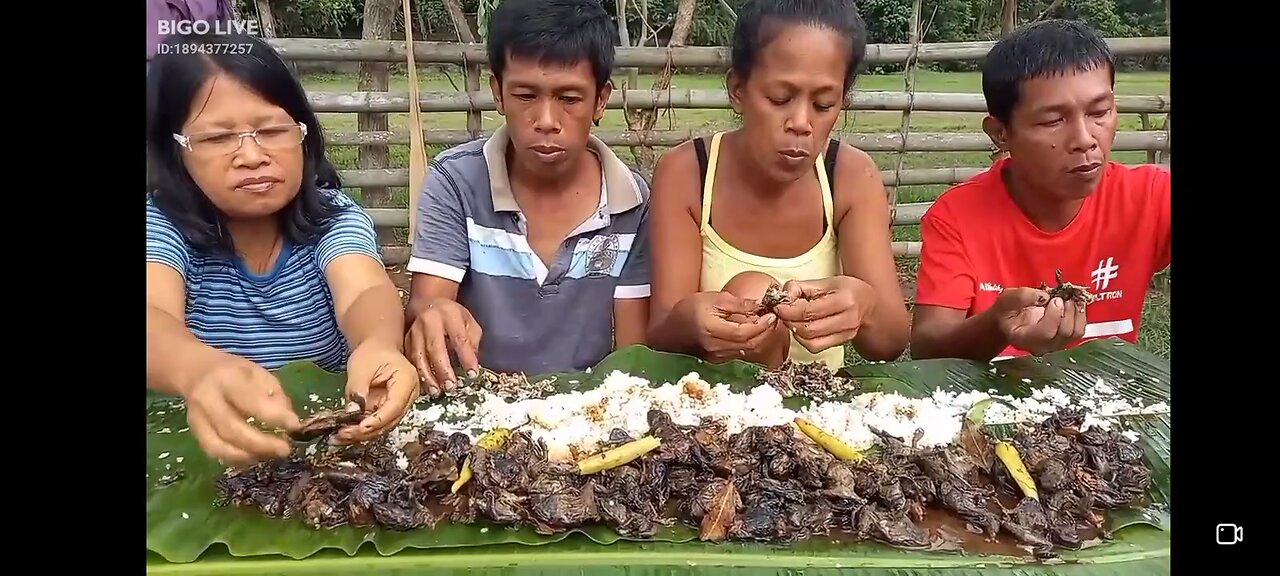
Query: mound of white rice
point(580, 421)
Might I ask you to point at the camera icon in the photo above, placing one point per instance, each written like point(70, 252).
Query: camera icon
point(1229, 534)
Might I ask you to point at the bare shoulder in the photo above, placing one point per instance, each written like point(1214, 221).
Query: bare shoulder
point(858, 181)
point(676, 175)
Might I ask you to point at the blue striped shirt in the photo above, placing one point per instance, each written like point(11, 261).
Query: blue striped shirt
point(283, 316)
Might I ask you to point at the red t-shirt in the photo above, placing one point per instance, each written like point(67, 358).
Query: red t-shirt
point(976, 242)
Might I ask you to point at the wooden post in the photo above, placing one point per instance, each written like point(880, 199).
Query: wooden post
point(643, 119)
point(379, 17)
point(1008, 17)
point(471, 70)
point(909, 80)
point(1146, 125)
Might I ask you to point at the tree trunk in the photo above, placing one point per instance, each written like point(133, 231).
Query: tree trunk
point(644, 120)
point(1052, 6)
point(1009, 17)
point(267, 20)
point(624, 39)
point(379, 18)
point(459, 19)
point(472, 69)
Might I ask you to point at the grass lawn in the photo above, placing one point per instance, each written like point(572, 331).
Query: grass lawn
point(1155, 325)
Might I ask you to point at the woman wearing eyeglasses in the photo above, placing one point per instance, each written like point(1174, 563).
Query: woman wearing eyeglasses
point(255, 258)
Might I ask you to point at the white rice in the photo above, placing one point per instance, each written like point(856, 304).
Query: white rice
point(579, 421)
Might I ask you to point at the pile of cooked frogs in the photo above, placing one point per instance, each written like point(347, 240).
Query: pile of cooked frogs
point(773, 484)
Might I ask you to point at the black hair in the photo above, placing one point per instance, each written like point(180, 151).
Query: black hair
point(1043, 49)
point(174, 80)
point(759, 21)
point(561, 32)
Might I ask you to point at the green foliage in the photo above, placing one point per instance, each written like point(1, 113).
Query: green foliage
point(887, 20)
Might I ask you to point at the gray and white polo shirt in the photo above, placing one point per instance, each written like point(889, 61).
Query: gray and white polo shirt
point(537, 318)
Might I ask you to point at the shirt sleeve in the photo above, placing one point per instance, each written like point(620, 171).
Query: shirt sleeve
point(1163, 197)
point(946, 276)
point(350, 232)
point(440, 245)
point(165, 243)
point(633, 282)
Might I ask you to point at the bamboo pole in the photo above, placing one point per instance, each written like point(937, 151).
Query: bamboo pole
point(912, 177)
point(868, 142)
point(417, 172)
point(689, 99)
point(909, 83)
point(649, 57)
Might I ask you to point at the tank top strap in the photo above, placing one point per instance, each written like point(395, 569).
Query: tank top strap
point(828, 200)
point(709, 179)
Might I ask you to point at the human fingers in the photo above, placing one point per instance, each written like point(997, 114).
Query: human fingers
point(1067, 328)
point(438, 351)
point(824, 326)
point(266, 401)
point(228, 419)
point(1013, 299)
point(455, 327)
point(360, 376)
point(400, 392)
point(396, 395)
point(210, 442)
point(724, 339)
point(793, 310)
point(739, 333)
point(475, 333)
point(758, 342)
point(821, 343)
point(808, 289)
point(726, 304)
point(1082, 321)
point(415, 350)
point(1045, 331)
point(799, 302)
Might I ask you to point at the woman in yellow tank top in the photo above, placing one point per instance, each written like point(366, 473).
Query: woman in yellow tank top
point(777, 201)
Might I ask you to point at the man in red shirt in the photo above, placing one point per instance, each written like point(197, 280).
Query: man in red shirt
point(1055, 202)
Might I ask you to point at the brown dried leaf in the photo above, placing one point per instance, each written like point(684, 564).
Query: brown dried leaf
point(975, 444)
point(724, 510)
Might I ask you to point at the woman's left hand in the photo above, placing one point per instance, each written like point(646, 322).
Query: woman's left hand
point(827, 312)
point(388, 384)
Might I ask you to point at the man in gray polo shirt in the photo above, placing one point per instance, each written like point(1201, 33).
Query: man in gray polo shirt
point(530, 253)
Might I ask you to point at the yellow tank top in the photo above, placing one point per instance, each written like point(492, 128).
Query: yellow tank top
point(721, 261)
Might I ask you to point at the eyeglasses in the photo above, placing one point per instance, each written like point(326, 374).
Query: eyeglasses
point(226, 142)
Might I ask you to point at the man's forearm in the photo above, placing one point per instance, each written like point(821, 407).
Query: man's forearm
point(974, 338)
point(375, 316)
point(174, 356)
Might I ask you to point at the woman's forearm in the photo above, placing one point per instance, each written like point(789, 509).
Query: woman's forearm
point(675, 331)
point(174, 356)
point(375, 316)
point(885, 334)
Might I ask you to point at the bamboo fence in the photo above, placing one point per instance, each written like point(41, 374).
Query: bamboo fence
point(473, 101)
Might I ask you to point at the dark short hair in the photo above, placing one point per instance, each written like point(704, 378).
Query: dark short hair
point(758, 24)
point(1040, 50)
point(562, 32)
point(174, 81)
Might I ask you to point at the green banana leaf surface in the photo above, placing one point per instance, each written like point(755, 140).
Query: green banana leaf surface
point(187, 533)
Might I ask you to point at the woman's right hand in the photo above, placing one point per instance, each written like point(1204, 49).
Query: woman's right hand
point(727, 325)
point(222, 399)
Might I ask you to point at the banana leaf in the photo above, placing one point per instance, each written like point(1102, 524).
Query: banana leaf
point(183, 523)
